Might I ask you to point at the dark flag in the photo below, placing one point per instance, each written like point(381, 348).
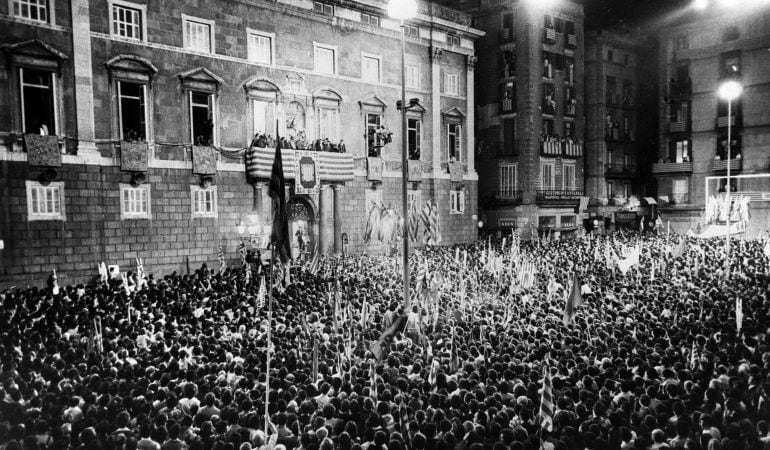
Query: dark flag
point(279, 235)
point(378, 348)
point(574, 300)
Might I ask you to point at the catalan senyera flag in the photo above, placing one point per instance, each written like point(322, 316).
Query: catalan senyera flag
point(242, 252)
point(574, 300)
point(546, 401)
point(373, 388)
point(221, 258)
point(279, 235)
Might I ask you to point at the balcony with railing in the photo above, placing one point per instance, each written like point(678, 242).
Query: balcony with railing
point(721, 121)
point(506, 104)
point(559, 197)
point(613, 170)
point(720, 165)
point(549, 35)
point(571, 40)
point(678, 127)
point(505, 35)
point(554, 146)
point(672, 167)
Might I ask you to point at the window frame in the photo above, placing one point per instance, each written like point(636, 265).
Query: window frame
point(552, 185)
point(251, 49)
point(456, 201)
point(504, 173)
point(336, 111)
point(213, 111)
point(370, 19)
point(50, 9)
point(324, 7)
point(455, 83)
point(370, 56)
point(134, 215)
point(144, 86)
point(414, 76)
point(452, 40)
point(610, 189)
point(458, 139)
point(375, 141)
point(187, 43)
point(54, 95)
point(141, 9)
point(32, 216)
point(333, 49)
point(195, 191)
point(414, 131)
point(573, 169)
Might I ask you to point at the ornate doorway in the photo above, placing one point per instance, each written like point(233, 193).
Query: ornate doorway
point(301, 221)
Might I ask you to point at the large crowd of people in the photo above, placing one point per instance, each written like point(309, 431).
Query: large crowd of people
point(652, 359)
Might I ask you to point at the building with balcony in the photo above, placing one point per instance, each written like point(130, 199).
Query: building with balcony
point(695, 55)
point(127, 127)
point(529, 98)
point(614, 66)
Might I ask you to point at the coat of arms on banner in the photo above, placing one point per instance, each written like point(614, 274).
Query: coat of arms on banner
point(307, 180)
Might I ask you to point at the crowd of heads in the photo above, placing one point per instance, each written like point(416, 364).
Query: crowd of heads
point(648, 361)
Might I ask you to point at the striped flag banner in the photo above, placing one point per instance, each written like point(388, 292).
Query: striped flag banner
point(139, 273)
point(414, 223)
point(583, 203)
point(546, 401)
point(373, 388)
point(435, 225)
point(242, 252)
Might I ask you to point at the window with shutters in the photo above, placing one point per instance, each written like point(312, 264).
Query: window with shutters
point(508, 180)
point(204, 201)
point(132, 111)
point(134, 201)
point(457, 201)
point(323, 8)
point(451, 84)
point(370, 19)
point(45, 202)
point(412, 76)
point(548, 177)
point(413, 137)
point(371, 69)
point(38, 101)
point(260, 46)
point(198, 34)
point(568, 177)
point(34, 10)
point(454, 139)
point(127, 20)
point(202, 118)
point(325, 58)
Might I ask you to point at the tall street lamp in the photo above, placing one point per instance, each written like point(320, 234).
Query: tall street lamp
point(729, 90)
point(403, 10)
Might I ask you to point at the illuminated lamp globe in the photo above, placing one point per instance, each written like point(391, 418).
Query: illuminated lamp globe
point(402, 9)
point(730, 90)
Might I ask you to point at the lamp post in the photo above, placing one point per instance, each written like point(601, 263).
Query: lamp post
point(403, 10)
point(729, 90)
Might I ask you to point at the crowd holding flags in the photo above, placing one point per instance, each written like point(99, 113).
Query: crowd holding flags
point(221, 259)
point(546, 401)
point(574, 300)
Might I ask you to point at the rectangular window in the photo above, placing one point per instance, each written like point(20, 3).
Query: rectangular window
point(373, 142)
point(610, 189)
point(457, 202)
point(328, 124)
point(548, 178)
point(568, 177)
point(569, 67)
point(411, 31)
point(38, 101)
point(731, 64)
point(508, 181)
point(323, 8)
point(681, 42)
point(202, 118)
point(681, 150)
point(454, 138)
point(508, 20)
point(681, 191)
point(413, 128)
point(452, 40)
point(36, 10)
point(610, 55)
point(260, 47)
point(549, 60)
point(626, 190)
point(198, 34)
point(508, 97)
point(131, 108)
point(611, 90)
point(549, 129)
point(370, 70)
point(451, 85)
point(127, 22)
point(627, 128)
point(45, 202)
point(628, 93)
point(569, 129)
point(370, 20)
point(325, 59)
point(204, 201)
point(549, 99)
point(546, 222)
point(134, 201)
point(412, 76)
point(264, 117)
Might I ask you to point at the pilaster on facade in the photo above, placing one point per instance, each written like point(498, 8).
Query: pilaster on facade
point(84, 92)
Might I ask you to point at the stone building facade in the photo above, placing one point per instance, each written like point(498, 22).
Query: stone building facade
point(696, 55)
point(530, 90)
point(125, 125)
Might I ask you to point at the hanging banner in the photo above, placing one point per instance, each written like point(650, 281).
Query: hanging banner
point(308, 181)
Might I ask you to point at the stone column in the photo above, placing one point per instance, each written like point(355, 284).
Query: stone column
point(84, 92)
point(470, 118)
point(435, 104)
point(322, 221)
point(337, 218)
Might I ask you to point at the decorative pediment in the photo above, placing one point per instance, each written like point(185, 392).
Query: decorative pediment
point(415, 107)
point(131, 63)
point(200, 79)
point(453, 113)
point(327, 94)
point(262, 87)
point(35, 53)
point(372, 102)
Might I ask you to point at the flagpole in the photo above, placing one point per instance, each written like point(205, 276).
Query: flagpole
point(269, 329)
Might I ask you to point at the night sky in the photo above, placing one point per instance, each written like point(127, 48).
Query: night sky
point(608, 13)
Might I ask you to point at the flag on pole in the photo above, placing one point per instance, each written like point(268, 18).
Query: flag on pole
point(546, 401)
point(103, 274)
point(454, 359)
point(53, 282)
point(378, 347)
point(652, 272)
point(242, 252)
point(279, 235)
point(221, 257)
point(139, 273)
point(574, 300)
point(261, 292)
point(364, 313)
point(738, 314)
point(641, 223)
point(693, 357)
point(373, 388)
point(433, 372)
